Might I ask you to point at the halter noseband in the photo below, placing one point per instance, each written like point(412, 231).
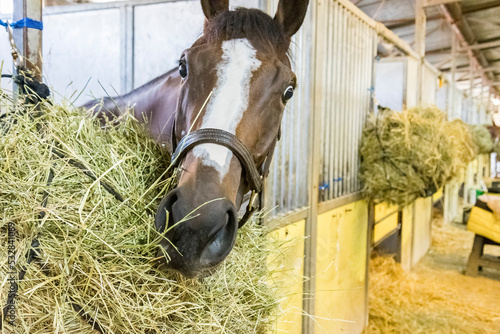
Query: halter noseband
point(220, 137)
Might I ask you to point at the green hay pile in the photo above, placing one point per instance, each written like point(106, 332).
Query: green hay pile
point(482, 139)
point(463, 148)
point(97, 253)
point(410, 154)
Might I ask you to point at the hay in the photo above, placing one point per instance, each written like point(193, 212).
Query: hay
point(97, 252)
point(462, 149)
point(435, 297)
point(482, 138)
point(409, 154)
point(429, 301)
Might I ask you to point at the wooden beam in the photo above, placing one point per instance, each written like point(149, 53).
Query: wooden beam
point(477, 46)
point(400, 23)
point(480, 7)
point(466, 69)
point(453, 61)
point(429, 3)
point(474, 62)
point(487, 45)
point(420, 27)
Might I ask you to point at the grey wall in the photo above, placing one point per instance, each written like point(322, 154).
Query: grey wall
point(91, 50)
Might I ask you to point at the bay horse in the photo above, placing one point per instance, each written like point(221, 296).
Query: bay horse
point(219, 114)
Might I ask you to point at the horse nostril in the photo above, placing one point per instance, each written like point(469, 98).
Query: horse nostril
point(222, 242)
point(165, 205)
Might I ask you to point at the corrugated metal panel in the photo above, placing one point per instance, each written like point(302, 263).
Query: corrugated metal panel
point(5, 59)
point(287, 185)
point(429, 85)
point(411, 82)
point(346, 88)
point(390, 74)
point(86, 49)
point(455, 99)
point(160, 36)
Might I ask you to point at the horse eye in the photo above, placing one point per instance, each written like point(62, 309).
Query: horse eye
point(287, 95)
point(183, 69)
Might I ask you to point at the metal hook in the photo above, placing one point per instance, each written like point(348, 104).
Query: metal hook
point(16, 56)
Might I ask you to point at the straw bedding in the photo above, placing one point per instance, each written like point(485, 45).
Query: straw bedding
point(435, 297)
point(411, 154)
point(96, 252)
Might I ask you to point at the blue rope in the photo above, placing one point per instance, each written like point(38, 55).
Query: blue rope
point(26, 22)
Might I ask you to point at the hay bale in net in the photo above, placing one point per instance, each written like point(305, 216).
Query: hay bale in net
point(482, 138)
point(406, 155)
point(463, 149)
point(95, 256)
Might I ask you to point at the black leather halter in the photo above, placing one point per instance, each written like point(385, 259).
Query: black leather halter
point(254, 177)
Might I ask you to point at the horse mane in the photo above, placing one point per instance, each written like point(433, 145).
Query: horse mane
point(253, 24)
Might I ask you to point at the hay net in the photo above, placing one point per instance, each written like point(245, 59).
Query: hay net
point(411, 154)
point(95, 259)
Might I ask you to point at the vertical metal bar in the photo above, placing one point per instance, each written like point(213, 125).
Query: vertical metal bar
point(451, 98)
point(341, 98)
point(351, 92)
point(369, 243)
point(326, 104)
point(337, 107)
point(282, 165)
point(361, 90)
point(292, 178)
point(334, 122)
point(345, 101)
point(29, 41)
point(127, 33)
point(298, 122)
point(311, 227)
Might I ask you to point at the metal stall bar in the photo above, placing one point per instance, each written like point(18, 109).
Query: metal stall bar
point(314, 142)
point(29, 41)
point(327, 74)
point(337, 57)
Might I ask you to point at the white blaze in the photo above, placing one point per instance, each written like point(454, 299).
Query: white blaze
point(229, 100)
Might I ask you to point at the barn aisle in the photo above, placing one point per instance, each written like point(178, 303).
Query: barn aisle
point(435, 297)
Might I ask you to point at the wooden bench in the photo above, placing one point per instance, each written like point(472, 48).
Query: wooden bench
point(477, 258)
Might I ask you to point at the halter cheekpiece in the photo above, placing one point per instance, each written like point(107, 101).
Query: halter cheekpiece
point(254, 177)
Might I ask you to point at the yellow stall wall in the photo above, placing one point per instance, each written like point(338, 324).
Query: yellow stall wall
point(389, 223)
point(340, 270)
point(421, 228)
point(289, 276)
point(406, 237)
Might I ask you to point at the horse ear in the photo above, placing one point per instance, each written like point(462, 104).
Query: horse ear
point(214, 7)
point(291, 14)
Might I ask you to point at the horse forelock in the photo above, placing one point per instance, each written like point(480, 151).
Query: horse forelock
point(262, 31)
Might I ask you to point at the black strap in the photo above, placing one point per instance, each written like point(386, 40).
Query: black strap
point(227, 139)
point(224, 138)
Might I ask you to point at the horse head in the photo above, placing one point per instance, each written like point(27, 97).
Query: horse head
point(235, 82)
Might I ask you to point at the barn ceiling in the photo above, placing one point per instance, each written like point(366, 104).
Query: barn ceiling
point(478, 21)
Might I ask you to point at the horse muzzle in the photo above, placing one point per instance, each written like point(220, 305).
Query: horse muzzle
point(197, 238)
